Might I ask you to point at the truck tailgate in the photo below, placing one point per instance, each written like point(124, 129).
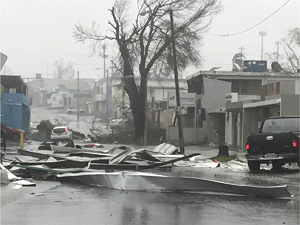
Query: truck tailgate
point(263, 143)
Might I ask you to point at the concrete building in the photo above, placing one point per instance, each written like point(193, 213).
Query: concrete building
point(15, 106)
point(249, 98)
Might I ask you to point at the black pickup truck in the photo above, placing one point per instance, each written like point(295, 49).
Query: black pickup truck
point(276, 143)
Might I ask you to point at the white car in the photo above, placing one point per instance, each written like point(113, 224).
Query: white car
point(72, 110)
point(117, 122)
point(61, 133)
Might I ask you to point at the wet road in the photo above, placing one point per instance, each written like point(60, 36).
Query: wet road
point(52, 202)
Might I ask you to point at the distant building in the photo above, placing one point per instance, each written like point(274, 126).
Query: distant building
point(59, 93)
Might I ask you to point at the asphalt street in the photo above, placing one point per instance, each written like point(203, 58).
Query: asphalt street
point(55, 202)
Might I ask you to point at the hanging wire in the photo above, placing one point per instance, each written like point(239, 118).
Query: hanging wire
point(227, 35)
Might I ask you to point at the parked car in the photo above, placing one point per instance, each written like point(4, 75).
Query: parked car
point(61, 133)
point(276, 143)
point(11, 133)
point(72, 110)
point(117, 122)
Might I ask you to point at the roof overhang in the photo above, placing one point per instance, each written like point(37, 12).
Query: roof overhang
point(276, 101)
point(234, 106)
point(217, 110)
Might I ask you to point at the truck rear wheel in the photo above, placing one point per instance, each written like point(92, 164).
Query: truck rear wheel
point(253, 166)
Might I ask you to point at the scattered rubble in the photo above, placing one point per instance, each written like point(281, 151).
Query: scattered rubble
point(126, 168)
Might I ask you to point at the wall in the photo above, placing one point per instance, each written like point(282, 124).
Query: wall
point(290, 105)
point(297, 87)
point(286, 86)
point(167, 118)
point(215, 93)
point(56, 100)
point(229, 123)
point(189, 135)
point(214, 101)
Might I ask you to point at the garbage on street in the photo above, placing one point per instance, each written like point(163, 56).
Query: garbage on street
point(126, 168)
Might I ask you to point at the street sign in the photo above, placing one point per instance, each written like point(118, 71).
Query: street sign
point(186, 99)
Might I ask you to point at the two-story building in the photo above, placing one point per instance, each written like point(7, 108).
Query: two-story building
point(230, 105)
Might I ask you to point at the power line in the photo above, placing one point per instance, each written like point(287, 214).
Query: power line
point(227, 35)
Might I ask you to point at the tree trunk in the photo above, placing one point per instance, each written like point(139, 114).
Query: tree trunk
point(223, 150)
point(137, 98)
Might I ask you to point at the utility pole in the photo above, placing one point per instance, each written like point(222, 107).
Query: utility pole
point(104, 71)
point(262, 33)
point(77, 92)
point(78, 95)
point(277, 43)
point(146, 109)
point(178, 111)
point(107, 99)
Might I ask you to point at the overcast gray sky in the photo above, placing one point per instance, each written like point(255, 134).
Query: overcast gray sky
point(36, 33)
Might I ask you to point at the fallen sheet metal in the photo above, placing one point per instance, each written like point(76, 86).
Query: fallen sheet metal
point(7, 177)
point(122, 156)
point(165, 148)
point(46, 169)
point(141, 181)
point(140, 165)
point(3, 175)
point(66, 163)
point(64, 149)
point(39, 155)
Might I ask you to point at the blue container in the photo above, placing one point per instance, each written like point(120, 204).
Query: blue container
point(255, 66)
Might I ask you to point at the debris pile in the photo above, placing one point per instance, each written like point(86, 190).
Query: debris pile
point(125, 168)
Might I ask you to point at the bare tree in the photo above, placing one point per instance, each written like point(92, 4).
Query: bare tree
point(290, 58)
point(290, 43)
point(144, 44)
point(63, 71)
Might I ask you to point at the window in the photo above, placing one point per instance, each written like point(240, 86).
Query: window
point(281, 125)
point(244, 86)
point(12, 90)
point(235, 86)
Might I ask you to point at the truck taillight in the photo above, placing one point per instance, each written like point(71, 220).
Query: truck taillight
point(66, 130)
point(52, 131)
point(294, 144)
point(247, 146)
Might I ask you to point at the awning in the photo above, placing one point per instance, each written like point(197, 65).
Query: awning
point(263, 103)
